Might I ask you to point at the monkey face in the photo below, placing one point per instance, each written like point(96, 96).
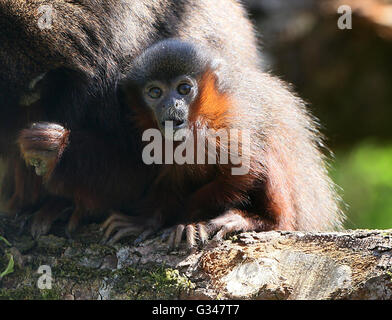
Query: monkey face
point(166, 85)
point(171, 100)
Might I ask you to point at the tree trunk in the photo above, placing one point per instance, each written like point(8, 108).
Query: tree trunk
point(268, 265)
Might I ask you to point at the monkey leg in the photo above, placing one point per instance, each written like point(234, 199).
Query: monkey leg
point(218, 228)
point(74, 221)
point(21, 188)
point(29, 202)
point(53, 209)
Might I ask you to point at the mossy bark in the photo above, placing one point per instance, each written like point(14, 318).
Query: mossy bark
point(270, 265)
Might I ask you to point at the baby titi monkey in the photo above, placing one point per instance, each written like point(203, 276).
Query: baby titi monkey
point(285, 186)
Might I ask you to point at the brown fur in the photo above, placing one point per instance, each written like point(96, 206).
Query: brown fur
point(286, 187)
point(89, 44)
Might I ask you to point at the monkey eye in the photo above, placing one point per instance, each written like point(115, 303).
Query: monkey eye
point(184, 89)
point(154, 93)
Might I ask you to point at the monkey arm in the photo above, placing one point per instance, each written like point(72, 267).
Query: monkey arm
point(92, 170)
point(224, 192)
point(84, 165)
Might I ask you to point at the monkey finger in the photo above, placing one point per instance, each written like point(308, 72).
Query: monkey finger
point(123, 233)
point(195, 234)
point(225, 230)
point(191, 236)
point(145, 234)
point(117, 225)
point(166, 234)
point(176, 237)
point(203, 234)
point(170, 240)
point(115, 216)
point(179, 234)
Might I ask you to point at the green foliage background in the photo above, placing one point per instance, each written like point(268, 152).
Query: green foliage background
point(364, 172)
point(345, 76)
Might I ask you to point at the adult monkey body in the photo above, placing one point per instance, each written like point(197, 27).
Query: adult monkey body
point(65, 72)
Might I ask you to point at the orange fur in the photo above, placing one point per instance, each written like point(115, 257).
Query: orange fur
point(28, 187)
point(211, 106)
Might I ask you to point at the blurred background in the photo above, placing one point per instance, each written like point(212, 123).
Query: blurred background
point(346, 77)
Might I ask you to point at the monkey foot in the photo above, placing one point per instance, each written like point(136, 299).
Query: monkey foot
point(119, 226)
point(50, 212)
point(41, 218)
point(216, 229)
point(195, 234)
point(22, 217)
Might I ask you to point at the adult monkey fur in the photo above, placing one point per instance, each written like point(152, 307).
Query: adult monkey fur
point(285, 186)
point(65, 73)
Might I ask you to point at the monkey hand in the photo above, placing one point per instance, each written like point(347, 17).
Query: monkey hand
point(42, 146)
point(119, 226)
point(218, 228)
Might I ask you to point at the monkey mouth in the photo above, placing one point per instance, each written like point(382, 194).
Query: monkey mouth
point(176, 124)
point(174, 129)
